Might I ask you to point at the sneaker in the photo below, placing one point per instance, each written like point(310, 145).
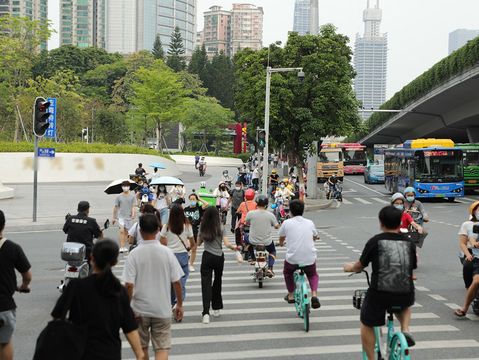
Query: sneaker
point(270, 273)
point(206, 319)
point(191, 268)
point(122, 250)
point(315, 304)
point(216, 313)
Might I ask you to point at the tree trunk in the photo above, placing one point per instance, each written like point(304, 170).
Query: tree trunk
point(17, 129)
point(158, 137)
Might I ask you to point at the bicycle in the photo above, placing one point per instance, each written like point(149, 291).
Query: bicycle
point(396, 345)
point(301, 296)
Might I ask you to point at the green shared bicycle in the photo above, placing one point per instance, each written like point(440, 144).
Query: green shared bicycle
point(396, 346)
point(302, 296)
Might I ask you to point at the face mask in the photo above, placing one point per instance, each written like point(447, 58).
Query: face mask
point(152, 189)
point(193, 203)
point(476, 214)
point(410, 199)
point(399, 207)
point(125, 188)
point(238, 188)
point(282, 186)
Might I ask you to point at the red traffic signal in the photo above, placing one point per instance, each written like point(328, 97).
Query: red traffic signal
point(40, 116)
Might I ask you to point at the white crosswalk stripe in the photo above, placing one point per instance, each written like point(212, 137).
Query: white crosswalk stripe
point(362, 201)
point(381, 201)
point(257, 316)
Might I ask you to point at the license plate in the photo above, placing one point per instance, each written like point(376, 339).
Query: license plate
point(72, 275)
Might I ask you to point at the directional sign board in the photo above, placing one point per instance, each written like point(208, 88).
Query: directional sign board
point(46, 152)
point(51, 132)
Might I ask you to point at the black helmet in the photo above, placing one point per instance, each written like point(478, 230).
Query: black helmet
point(262, 200)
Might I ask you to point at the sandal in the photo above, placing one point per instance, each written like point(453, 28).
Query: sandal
point(410, 340)
point(459, 313)
point(315, 304)
point(288, 300)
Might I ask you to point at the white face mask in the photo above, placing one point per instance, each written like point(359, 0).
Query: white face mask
point(238, 188)
point(476, 214)
point(125, 188)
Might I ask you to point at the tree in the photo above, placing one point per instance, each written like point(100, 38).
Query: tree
point(219, 79)
point(322, 105)
point(110, 126)
point(176, 51)
point(198, 62)
point(99, 83)
point(158, 51)
point(157, 96)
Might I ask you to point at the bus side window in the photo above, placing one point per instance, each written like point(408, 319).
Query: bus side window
point(410, 165)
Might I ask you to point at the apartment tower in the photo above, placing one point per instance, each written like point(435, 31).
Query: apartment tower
point(216, 35)
point(370, 61)
point(246, 27)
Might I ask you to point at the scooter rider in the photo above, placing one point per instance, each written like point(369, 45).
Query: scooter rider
point(81, 228)
point(330, 185)
point(226, 179)
point(414, 207)
point(398, 200)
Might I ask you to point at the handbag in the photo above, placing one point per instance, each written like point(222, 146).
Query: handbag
point(61, 339)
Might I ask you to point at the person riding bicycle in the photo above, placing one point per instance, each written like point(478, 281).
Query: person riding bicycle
point(222, 198)
point(260, 222)
point(330, 186)
point(273, 182)
point(202, 164)
point(414, 207)
point(299, 234)
point(227, 179)
point(407, 222)
point(393, 259)
point(242, 229)
point(470, 248)
point(140, 171)
point(81, 228)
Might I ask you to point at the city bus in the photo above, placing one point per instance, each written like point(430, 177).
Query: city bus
point(355, 158)
point(330, 162)
point(471, 165)
point(434, 167)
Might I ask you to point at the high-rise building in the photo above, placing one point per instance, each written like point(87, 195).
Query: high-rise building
point(460, 37)
point(217, 31)
point(302, 11)
point(246, 27)
point(370, 61)
point(33, 9)
point(133, 25)
point(83, 23)
point(314, 17)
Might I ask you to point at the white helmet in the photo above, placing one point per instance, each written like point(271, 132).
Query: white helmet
point(397, 196)
point(203, 184)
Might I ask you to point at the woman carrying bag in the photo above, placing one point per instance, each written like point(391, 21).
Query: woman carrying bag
point(98, 308)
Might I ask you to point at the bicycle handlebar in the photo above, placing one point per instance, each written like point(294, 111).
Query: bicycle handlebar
point(365, 272)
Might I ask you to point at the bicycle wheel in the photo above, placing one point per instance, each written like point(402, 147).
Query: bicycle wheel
point(398, 349)
point(306, 317)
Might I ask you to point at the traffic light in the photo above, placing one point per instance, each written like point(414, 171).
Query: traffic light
point(261, 139)
point(40, 116)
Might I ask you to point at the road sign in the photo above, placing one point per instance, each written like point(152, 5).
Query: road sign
point(51, 132)
point(46, 152)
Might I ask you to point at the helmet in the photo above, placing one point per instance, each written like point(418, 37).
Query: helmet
point(286, 180)
point(249, 194)
point(262, 200)
point(273, 171)
point(408, 190)
point(203, 184)
point(225, 172)
point(397, 196)
point(221, 183)
point(473, 207)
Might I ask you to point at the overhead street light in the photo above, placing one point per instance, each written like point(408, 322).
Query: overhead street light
point(269, 71)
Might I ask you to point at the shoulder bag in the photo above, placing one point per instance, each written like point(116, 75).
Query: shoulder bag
point(61, 339)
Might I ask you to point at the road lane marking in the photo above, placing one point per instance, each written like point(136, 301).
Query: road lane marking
point(364, 186)
point(382, 201)
point(336, 281)
point(347, 202)
point(437, 297)
point(363, 201)
point(470, 199)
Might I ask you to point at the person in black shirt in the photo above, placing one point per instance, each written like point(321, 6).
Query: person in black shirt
point(81, 228)
point(140, 171)
point(273, 181)
point(12, 258)
point(393, 259)
point(194, 213)
point(101, 304)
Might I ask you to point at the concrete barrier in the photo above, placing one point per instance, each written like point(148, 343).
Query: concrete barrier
point(6, 192)
point(75, 167)
point(210, 160)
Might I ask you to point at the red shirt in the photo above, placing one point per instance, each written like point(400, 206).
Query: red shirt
point(244, 208)
point(406, 220)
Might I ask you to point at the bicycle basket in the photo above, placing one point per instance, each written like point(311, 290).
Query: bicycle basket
point(358, 298)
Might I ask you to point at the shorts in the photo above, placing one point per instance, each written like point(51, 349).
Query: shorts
point(159, 330)
point(125, 223)
point(375, 306)
point(7, 325)
point(475, 266)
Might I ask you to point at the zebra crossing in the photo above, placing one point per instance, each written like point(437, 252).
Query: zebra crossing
point(258, 324)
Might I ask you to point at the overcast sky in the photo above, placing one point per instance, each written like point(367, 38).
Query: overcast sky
point(417, 29)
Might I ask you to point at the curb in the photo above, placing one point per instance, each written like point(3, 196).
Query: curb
point(315, 207)
point(32, 227)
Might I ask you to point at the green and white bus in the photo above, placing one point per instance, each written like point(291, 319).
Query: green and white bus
point(471, 165)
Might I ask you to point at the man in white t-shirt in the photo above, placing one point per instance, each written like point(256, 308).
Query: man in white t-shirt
point(299, 234)
point(149, 272)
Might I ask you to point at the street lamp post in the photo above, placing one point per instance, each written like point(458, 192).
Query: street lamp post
point(269, 71)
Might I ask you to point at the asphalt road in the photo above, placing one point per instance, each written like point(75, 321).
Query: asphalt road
point(258, 324)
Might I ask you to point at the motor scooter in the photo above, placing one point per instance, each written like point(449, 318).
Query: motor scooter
point(260, 265)
point(77, 265)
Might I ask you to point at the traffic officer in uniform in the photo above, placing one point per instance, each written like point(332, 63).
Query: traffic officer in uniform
point(81, 228)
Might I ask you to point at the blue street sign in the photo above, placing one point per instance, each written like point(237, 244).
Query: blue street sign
point(46, 152)
point(51, 132)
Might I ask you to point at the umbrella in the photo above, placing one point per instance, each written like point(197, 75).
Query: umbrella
point(166, 180)
point(115, 186)
point(157, 165)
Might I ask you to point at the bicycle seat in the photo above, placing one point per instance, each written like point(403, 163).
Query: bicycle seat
point(260, 248)
point(395, 309)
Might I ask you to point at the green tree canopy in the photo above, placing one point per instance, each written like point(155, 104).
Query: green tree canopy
point(219, 79)
point(198, 62)
point(158, 52)
point(176, 51)
point(322, 105)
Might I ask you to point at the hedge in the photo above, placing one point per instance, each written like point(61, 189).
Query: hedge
point(243, 156)
point(458, 62)
point(80, 148)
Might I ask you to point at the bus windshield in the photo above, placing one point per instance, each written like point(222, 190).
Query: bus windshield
point(355, 157)
point(329, 156)
point(471, 157)
point(439, 166)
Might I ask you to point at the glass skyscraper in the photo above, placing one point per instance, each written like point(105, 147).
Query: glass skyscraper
point(302, 13)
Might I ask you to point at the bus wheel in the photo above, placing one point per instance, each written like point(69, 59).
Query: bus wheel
point(451, 199)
